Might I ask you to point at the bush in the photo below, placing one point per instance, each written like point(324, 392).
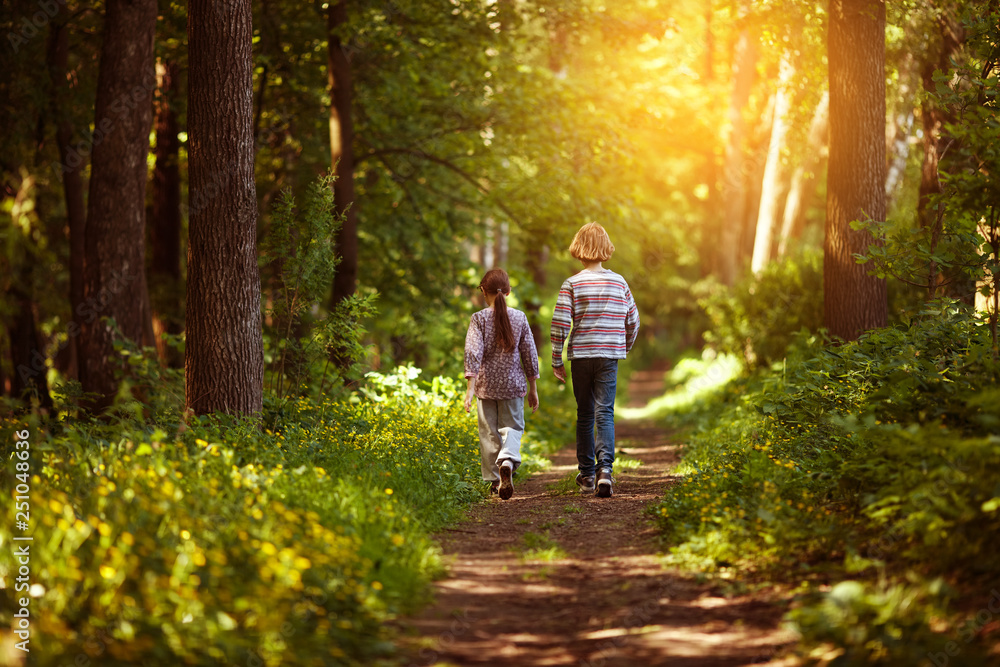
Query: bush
point(881, 456)
point(757, 320)
point(862, 624)
point(216, 542)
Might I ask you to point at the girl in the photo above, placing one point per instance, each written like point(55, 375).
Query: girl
point(501, 365)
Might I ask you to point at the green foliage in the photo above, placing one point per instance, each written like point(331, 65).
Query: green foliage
point(211, 540)
point(862, 624)
point(299, 249)
point(955, 247)
point(879, 455)
point(758, 319)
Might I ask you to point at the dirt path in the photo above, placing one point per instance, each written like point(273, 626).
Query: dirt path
point(553, 577)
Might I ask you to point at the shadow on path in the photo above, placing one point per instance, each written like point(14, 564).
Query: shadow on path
point(604, 601)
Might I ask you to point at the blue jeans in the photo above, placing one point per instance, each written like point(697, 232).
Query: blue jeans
point(594, 384)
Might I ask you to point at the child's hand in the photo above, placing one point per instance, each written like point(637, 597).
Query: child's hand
point(533, 399)
point(560, 373)
point(468, 401)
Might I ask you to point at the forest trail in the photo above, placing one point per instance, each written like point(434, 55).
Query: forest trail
point(556, 577)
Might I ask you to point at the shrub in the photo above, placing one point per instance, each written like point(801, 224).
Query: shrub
point(881, 455)
point(757, 320)
point(213, 541)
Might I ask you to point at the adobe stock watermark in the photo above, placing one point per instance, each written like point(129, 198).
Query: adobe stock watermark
point(31, 26)
point(88, 310)
point(969, 631)
point(117, 110)
point(638, 616)
point(459, 627)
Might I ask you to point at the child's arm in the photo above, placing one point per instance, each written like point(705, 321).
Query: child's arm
point(529, 362)
point(631, 321)
point(529, 353)
point(474, 346)
point(532, 395)
point(562, 320)
point(470, 392)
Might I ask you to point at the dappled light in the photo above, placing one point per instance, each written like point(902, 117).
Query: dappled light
point(509, 332)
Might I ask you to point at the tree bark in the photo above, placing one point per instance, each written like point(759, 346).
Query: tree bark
point(167, 293)
point(771, 186)
point(854, 301)
point(803, 186)
point(29, 378)
point(342, 154)
point(71, 162)
point(930, 214)
point(224, 359)
point(734, 172)
point(114, 271)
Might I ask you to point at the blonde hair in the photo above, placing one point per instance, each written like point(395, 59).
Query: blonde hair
point(592, 244)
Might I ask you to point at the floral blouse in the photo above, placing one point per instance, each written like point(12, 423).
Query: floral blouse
point(500, 375)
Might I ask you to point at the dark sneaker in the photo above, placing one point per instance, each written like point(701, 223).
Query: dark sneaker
point(604, 484)
point(585, 482)
point(506, 487)
point(494, 487)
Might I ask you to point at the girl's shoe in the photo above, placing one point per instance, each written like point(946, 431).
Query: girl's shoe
point(506, 487)
point(585, 482)
point(494, 487)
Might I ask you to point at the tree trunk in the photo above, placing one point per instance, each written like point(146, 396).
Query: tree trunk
point(29, 377)
point(167, 293)
point(114, 271)
point(734, 176)
point(771, 186)
point(224, 356)
point(803, 186)
point(29, 380)
point(70, 160)
point(930, 214)
point(756, 146)
point(854, 301)
point(342, 154)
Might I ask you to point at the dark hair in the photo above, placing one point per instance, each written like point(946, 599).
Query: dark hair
point(496, 282)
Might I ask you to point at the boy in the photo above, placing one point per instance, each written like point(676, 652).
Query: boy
point(598, 305)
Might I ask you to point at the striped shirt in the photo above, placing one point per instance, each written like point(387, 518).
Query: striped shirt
point(604, 319)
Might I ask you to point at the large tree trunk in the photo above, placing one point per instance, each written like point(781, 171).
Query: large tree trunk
point(167, 291)
point(803, 186)
point(224, 356)
point(712, 220)
point(114, 272)
point(930, 214)
point(29, 379)
point(342, 154)
point(854, 301)
point(26, 350)
point(71, 161)
point(734, 176)
point(771, 186)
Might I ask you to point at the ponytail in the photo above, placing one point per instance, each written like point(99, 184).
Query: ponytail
point(497, 282)
point(505, 333)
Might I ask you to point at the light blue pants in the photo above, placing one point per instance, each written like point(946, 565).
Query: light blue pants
point(501, 425)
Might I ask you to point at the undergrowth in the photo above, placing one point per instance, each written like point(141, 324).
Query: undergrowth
point(212, 540)
point(877, 460)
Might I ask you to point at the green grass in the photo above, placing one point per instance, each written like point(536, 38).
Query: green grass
point(540, 547)
point(212, 537)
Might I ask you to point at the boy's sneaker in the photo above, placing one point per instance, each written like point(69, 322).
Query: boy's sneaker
point(604, 484)
point(585, 482)
point(506, 487)
point(494, 487)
